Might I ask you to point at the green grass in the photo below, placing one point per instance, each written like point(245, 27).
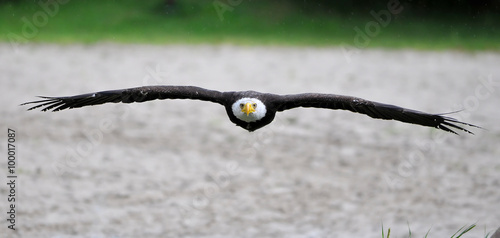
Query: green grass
point(250, 23)
point(460, 232)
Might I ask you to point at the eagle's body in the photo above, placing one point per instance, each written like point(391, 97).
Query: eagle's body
point(252, 110)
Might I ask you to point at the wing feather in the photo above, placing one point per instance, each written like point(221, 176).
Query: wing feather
point(130, 95)
point(372, 109)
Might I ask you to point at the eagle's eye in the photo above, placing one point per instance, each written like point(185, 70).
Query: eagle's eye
point(242, 105)
point(254, 105)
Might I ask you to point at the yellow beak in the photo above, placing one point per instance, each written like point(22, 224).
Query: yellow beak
point(248, 108)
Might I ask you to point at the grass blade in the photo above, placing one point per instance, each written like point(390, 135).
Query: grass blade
point(463, 231)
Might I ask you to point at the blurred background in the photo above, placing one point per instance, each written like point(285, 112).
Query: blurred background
point(424, 24)
point(180, 168)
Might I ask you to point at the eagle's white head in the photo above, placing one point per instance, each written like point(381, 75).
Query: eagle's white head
point(249, 109)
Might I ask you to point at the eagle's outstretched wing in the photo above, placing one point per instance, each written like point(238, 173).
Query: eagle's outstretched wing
point(372, 109)
point(140, 94)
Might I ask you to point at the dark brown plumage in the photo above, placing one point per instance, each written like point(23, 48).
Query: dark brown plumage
point(273, 103)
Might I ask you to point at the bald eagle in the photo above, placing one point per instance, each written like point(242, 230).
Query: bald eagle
point(252, 110)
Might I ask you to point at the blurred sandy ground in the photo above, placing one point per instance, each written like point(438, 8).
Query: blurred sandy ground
point(181, 168)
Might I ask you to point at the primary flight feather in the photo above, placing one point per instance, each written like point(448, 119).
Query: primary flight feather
point(252, 110)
